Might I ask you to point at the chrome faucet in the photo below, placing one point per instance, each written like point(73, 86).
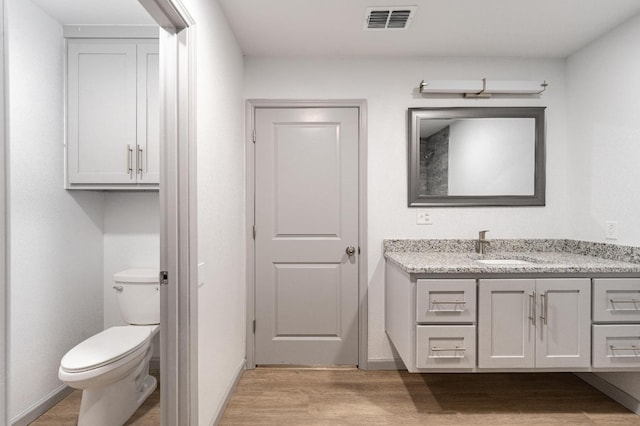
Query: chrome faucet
point(482, 244)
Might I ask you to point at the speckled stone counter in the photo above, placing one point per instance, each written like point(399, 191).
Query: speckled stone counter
point(541, 257)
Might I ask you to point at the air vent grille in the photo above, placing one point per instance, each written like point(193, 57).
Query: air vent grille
point(389, 18)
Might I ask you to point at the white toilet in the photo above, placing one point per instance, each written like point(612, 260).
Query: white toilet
point(112, 367)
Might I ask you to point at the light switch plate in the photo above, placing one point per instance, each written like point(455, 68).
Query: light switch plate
point(423, 217)
point(611, 230)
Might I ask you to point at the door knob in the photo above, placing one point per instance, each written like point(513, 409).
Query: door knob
point(351, 250)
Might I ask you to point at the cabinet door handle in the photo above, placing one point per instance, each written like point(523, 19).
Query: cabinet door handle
point(544, 302)
point(139, 160)
point(129, 161)
point(532, 308)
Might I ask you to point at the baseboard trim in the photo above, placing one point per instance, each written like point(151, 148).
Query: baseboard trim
point(618, 395)
point(41, 407)
point(385, 364)
point(230, 390)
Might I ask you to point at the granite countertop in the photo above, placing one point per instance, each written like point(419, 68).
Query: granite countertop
point(539, 256)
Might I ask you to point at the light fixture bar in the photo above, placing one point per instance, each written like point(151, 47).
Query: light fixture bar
point(482, 88)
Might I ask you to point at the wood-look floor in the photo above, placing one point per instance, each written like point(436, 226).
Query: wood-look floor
point(283, 396)
point(65, 413)
point(280, 396)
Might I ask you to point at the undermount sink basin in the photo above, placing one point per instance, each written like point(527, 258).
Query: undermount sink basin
point(505, 262)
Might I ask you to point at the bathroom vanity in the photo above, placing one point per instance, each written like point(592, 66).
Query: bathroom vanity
point(526, 305)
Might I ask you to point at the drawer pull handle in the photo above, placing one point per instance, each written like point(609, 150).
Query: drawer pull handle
point(635, 302)
point(435, 303)
point(455, 350)
point(633, 348)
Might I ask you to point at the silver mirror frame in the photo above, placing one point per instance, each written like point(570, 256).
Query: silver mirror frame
point(418, 200)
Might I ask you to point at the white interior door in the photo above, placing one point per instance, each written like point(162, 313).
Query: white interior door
point(306, 210)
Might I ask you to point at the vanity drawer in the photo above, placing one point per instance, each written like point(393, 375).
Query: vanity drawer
point(616, 299)
point(446, 301)
point(446, 346)
point(616, 345)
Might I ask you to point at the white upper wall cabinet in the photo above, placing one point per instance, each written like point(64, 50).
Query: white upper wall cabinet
point(112, 114)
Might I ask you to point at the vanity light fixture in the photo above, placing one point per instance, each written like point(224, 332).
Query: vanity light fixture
point(482, 88)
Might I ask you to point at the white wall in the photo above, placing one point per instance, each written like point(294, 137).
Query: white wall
point(604, 129)
point(221, 207)
point(390, 87)
point(604, 141)
point(55, 236)
point(131, 240)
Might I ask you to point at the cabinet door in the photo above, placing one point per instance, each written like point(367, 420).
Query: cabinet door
point(506, 324)
point(148, 148)
point(101, 108)
point(564, 320)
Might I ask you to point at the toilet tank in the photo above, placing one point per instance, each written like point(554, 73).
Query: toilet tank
point(138, 294)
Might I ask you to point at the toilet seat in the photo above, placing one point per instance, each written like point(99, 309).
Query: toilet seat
point(106, 347)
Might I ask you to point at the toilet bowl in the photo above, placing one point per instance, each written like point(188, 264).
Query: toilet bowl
point(112, 367)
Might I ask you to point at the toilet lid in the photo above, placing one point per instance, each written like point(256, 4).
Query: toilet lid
point(106, 347)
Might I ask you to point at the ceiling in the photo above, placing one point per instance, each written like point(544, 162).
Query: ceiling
point(514, 28)
point(321, 28)
point(96, 12)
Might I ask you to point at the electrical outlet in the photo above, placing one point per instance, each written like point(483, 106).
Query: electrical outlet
point(423, 217)
point(611, 230)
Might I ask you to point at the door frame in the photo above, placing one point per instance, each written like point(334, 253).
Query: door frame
point(178, 213)
point(4, 320)
point(363, 318)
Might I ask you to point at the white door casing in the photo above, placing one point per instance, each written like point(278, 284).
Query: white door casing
point(306, 216)
point(4, 387)
point(178, 234)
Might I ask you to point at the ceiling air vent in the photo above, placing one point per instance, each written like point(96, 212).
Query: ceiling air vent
point(389, 18)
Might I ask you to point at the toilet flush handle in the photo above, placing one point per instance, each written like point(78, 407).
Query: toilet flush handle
point(118, 288)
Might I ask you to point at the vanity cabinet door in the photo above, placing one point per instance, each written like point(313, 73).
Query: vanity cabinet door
point(563, 325)
point(506, 323)
point(446, 301)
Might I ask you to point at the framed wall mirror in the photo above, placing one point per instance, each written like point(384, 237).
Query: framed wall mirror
point(476, 156)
